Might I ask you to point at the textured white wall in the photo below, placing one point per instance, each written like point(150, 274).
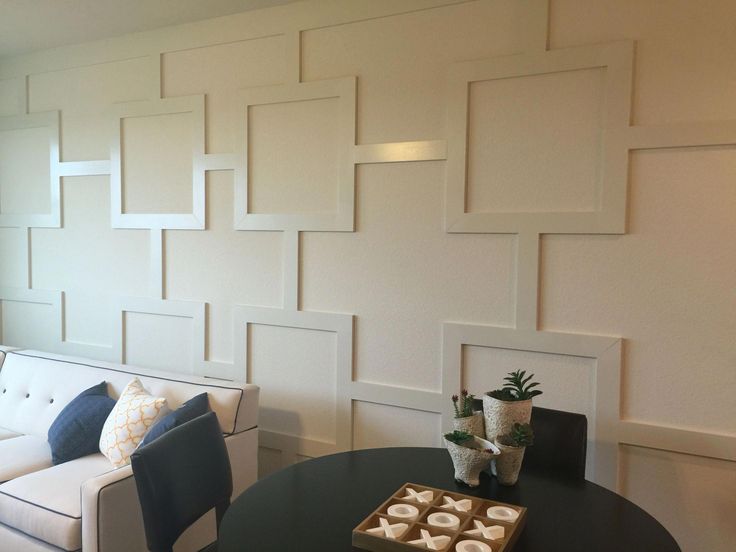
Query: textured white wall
point(345, 330)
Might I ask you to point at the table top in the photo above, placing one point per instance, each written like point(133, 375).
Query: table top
point(314, 506)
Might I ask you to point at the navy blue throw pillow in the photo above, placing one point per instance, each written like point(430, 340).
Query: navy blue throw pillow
point(76, 430)
point(193, 408)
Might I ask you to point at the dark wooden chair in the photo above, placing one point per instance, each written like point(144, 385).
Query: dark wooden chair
point(560, 442)
point(181, 476)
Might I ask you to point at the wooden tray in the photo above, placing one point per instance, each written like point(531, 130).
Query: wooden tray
point(379, 542)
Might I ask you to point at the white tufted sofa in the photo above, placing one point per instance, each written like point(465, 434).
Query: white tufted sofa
point(85, 504)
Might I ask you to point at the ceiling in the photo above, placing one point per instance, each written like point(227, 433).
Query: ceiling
point(30, 25)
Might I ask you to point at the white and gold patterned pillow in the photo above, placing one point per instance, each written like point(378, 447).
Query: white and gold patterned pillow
point(131, 418)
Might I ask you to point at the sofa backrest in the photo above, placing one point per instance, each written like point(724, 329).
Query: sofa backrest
point(3, 351)
point(36, 386)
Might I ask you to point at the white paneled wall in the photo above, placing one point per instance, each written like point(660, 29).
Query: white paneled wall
point(364, 205)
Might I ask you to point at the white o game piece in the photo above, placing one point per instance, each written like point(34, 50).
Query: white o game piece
point(444, 520)
point(502, 513)
point(472, 546)
point(403, 511)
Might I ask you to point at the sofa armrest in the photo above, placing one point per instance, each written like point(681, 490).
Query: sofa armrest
point(111, 514)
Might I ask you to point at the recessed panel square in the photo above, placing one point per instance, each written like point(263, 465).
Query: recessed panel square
point(296, 370)
point(534, 142)
point(567, 382)
point(28, 325)
point(159, 341)
point(157, 153)
point(25, 171)
point(293, 157)
point(382, 425)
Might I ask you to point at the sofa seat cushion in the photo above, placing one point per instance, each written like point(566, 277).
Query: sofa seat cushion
point(7, 434)
point(22, 455)
point(46, 504)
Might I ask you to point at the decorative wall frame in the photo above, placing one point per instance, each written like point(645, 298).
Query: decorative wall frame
point(50, 121)
point(184, 104)
point(342, 326)
point(610, 217)
point(341, 221)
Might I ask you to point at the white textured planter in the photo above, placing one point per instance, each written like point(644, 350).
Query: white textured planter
point(473, 424)
point(508, 465)
point(500, 416)
point(470, 459)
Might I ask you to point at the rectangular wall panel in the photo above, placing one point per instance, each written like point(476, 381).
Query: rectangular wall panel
point(28, 325)
point(691, 496)
point(159, 341)
point(380, 425)
point(296, 370)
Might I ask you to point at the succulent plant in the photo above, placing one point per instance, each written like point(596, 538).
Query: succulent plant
point(518, 387)
point(458, 437)
point(463, 405)
point(521, 435)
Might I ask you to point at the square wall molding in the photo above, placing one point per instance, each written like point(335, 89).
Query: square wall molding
point(35, 203)
point(610, 112)
point(336, 212)
point(193, 105)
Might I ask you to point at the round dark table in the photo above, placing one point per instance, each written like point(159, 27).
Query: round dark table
point(314, 506)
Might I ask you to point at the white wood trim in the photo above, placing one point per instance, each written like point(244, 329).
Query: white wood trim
point(183, 104)
point(705, 443)
point(402, 397)
point(291, 270)
point(157, 262)
point(84, 168)
point(344, 90)
point(397, 152)
point(50, 121)
point(682, 135)
point(527, 280)
point(341, 324)
point(610, 216)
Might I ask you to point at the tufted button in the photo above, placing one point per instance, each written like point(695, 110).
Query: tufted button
point(51, 401)
point(28, 395)
point(4, 390)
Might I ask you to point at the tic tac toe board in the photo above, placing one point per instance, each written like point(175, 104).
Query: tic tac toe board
point(417, 517)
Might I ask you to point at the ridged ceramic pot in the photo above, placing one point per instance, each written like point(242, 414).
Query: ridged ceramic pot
point(508, 465)
point(500, 416)
point(473, 424)
point(471, 458)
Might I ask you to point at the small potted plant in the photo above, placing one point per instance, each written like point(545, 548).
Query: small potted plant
point(470, 455)
point(512, 446)
point(465, 419)
point(511, 404)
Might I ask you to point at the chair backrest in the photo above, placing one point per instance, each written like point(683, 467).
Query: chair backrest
point(181, 476)
point(560, 442)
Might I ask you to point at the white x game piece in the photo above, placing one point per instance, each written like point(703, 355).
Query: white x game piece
point(463, 505)
point(424, 497)
point(491, 532)
point(432, 543)
point(390, 531)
